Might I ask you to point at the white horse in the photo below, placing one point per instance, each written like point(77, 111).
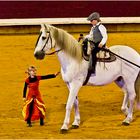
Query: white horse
point(74, 70)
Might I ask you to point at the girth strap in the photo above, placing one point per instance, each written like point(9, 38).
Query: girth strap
point(87, 78)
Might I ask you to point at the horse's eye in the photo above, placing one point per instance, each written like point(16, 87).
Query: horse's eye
point(43, 37)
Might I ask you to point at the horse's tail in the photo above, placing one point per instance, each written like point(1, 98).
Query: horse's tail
point(137, 88)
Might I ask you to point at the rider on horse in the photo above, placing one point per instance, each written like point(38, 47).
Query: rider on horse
point(98, 34)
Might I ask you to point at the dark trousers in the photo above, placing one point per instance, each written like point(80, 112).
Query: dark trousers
point(94, 52)
point(30, 115)
point(30, 112)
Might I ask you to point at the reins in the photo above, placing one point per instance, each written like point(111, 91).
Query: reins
point(121, 57)
point(53, 52)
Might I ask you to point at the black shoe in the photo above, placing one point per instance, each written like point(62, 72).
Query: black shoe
point(29, 125)
point(41, 122)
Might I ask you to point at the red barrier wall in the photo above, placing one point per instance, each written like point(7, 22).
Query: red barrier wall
point(52, 9)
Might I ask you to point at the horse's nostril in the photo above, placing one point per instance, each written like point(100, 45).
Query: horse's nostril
point(39, 55)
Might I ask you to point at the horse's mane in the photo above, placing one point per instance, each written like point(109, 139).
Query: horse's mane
point(67, 43)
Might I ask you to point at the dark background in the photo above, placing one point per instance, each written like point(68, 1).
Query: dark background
point(53, 9)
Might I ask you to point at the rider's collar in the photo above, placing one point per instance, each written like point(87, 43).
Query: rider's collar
point(97, 24)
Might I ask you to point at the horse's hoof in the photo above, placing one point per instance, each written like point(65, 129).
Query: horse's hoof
point(63, 131)
point(125, 123)
point(75, 126)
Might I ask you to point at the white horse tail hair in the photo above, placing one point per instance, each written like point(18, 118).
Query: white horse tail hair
point(137, 88)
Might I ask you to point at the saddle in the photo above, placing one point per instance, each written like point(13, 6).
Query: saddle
point(102, 55)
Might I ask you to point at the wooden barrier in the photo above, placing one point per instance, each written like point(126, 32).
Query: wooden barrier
point(72, 25)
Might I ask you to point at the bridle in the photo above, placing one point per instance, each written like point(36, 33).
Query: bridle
point(49, 37)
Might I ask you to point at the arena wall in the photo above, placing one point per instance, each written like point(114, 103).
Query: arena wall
point(72, 25)
point(20, 17)
point(63, 9)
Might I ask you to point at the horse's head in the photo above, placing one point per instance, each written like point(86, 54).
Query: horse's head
point(44, 42)
point(52, 37)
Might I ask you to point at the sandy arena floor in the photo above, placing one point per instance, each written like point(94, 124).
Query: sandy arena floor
point(99, 106)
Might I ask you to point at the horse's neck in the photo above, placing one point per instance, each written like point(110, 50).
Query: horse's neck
point(64, 59)
point(68, 43)
point(71, 68)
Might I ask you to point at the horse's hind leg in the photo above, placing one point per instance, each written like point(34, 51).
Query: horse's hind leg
point(76, 122)
point(131, 97)
point(124, 107)
point(120, 82)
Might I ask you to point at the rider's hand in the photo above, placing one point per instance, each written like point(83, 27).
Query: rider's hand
point(100, 45)
point(85, 40)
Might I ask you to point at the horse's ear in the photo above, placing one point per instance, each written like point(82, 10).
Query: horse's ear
point(42, 25)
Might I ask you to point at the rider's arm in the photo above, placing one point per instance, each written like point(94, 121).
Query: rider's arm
point(104, 34)
point(90, 35)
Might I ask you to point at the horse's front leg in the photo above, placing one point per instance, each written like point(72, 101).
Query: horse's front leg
point(73, 91)
point(76, 122)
